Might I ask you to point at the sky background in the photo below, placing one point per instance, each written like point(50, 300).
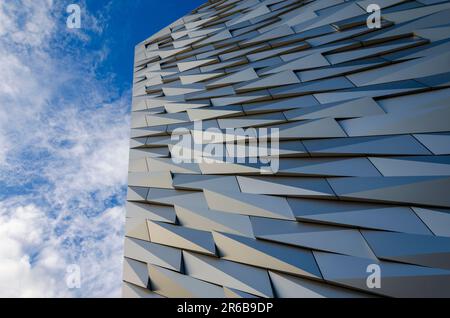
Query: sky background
point(64, 127)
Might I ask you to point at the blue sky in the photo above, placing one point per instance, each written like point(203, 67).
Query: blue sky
point(130, 22)
point(64, 127)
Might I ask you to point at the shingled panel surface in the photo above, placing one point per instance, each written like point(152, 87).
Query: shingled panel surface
point(364, 152)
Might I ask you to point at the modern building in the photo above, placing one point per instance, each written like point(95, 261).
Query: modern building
point(345, 191)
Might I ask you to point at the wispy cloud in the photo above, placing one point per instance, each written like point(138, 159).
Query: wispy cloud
point(63, 155)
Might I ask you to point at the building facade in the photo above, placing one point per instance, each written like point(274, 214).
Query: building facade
point(287, 148)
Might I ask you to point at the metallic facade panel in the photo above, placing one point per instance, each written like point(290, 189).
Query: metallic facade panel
point(355, 200)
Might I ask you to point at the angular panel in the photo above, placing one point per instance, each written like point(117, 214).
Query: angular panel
point(233, 275)
point(137, 228)
point(287, 286)
point(241, 76)
point(379, 145)
point(212, 220)
point(151, 212)
point(150, 253)
point(310, 187)
point(407, 190)
point(267, 255)
point(312, 236)
point(249, 204)
point(421, 250)
point(359, 215)
point(397, 280)
point(181, 237)
point(175, 285)
point(413, 166)
point(438, 221)
point(135, 272)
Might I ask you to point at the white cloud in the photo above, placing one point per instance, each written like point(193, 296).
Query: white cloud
point(26, 22)
point(24, 231)
point(63, 157)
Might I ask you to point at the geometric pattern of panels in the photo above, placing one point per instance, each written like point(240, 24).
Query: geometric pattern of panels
point(364, 152)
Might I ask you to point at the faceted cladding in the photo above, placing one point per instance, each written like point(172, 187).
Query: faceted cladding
point(364, 170)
